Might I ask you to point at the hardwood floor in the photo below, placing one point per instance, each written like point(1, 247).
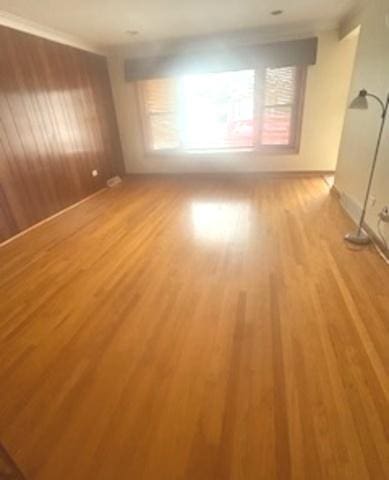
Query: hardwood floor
point(203, 328)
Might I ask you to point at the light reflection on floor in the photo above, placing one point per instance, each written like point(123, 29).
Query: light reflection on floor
point(220, 222)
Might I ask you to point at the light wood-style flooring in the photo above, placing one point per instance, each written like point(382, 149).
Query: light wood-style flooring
point(195, 328)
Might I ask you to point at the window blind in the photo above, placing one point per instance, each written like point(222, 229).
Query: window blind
point(160, 102)
point(279, 101)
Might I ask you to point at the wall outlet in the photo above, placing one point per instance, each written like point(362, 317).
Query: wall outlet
point(95, 173)
point(384, 215)
point(373, 200)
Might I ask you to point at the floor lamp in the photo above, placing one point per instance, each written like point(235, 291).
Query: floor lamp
point(360, 103)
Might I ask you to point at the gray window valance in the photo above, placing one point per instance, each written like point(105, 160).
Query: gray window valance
point(281, 54)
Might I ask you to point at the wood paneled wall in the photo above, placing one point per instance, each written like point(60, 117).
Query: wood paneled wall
point(57, 124)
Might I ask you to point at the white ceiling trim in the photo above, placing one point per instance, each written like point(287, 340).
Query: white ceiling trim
point(33, 28)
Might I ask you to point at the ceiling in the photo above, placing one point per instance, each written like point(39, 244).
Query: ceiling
point(104, 22)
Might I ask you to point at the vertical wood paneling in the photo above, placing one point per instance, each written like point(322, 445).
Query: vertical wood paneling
point(57, 124)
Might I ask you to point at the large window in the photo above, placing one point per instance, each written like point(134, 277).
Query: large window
point(247, 109)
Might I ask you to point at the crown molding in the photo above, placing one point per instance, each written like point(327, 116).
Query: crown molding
point(28, 26)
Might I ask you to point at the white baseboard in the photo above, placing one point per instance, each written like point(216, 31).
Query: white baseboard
point(51, 217)
point(352, 207)
point(354, 210)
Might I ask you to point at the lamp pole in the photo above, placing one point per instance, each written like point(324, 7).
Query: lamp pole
point(360, 238)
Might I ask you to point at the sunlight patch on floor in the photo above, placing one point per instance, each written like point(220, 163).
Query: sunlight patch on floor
point(220, 222)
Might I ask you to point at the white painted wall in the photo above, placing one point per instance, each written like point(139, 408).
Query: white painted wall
point(361, 127)
point(327, 90)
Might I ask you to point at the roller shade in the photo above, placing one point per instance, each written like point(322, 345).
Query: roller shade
point(281, 54)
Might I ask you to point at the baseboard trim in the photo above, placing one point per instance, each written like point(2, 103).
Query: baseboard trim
point(291, 174)
point(51, 217)
point(369, 230)
point(280, 174)
point(377, 240)
point(335, 192)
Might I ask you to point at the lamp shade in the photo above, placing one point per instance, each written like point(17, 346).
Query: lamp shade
point(360, 102)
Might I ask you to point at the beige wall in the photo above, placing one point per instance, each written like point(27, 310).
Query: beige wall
point(361, 127)
point(325, 103)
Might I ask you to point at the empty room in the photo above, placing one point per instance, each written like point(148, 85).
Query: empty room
point(194, 240)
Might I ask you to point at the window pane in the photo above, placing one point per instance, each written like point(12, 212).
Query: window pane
point(164, 131)
point(280, 85)
point(276, 126)
point(218, 110)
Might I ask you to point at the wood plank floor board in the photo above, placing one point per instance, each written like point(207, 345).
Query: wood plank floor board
point(202, 328)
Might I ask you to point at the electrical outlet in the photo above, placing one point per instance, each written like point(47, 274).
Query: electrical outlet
point(373, 200)
point(384, 215)
point(95, 173)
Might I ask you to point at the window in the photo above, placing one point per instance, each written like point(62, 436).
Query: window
point(161, 102)
point(247, 109)
point(281, 106)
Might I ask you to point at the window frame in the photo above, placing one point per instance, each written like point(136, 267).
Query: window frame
point(259, 105)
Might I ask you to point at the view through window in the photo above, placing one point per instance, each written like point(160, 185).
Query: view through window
point(245, 109)
point(218, 110)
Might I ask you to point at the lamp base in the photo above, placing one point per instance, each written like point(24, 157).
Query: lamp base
point(358, 238)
